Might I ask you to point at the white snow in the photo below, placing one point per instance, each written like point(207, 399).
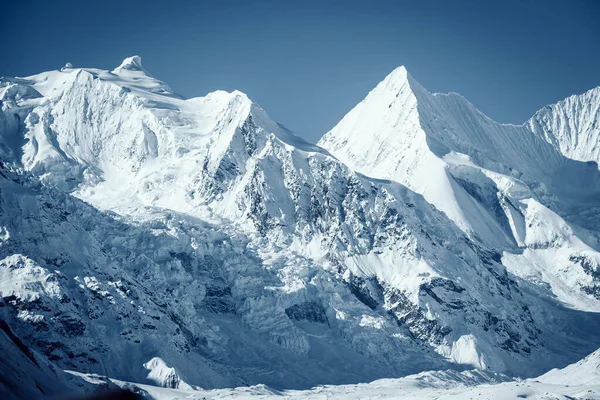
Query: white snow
point(164, 376)
point(571, 125)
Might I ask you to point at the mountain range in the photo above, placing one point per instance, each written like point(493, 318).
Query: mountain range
point(196, 243)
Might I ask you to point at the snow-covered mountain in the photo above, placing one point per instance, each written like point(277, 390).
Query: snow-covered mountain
point(508, 186)
point(196, 242)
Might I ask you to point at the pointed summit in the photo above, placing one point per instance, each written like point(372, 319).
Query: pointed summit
point(132, 71)
point(399, 74)
point(133, 63)
point(374, 124)
point(397, 81)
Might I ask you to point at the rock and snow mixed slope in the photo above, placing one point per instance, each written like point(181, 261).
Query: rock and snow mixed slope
point(201, 239)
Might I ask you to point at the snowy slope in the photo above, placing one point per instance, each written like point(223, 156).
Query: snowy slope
point(586, 371)
point(201, 241)
point(576, 381)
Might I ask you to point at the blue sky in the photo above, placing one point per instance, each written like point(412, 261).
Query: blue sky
point(309, 62)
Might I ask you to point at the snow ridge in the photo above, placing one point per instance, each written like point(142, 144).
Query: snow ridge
point(571, 125)
point(133, 63)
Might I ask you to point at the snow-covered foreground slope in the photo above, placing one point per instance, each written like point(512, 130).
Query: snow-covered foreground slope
point(196, 242)
point(577, 381)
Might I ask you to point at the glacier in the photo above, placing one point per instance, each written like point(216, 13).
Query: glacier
point(202, 241)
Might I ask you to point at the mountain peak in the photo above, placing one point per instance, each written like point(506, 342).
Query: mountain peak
point(399, 73)
point(133, 63)
point(235, 99)
point(397, 80)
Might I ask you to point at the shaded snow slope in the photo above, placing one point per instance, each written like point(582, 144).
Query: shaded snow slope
point(577, 381)
point(201, 241)
point(25, 374)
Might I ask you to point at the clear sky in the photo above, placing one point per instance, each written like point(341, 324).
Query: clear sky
point(309, 62)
